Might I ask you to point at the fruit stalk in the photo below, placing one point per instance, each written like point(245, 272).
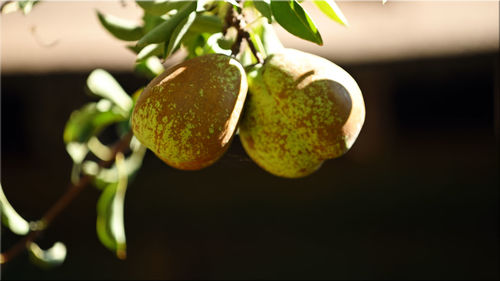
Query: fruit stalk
point(235, 19)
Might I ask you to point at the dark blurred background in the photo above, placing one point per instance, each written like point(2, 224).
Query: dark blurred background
point(415, 198)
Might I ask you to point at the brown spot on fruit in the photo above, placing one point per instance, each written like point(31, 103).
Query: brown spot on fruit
point(302, 110)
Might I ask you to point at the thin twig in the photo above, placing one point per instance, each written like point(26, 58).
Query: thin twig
point(233, 18)
point(62, 203)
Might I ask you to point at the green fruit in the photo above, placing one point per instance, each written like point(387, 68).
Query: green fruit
point(188, 115)
point(301, 110)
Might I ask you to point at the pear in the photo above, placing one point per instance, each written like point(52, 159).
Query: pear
point(188, 114)
point(301, 110)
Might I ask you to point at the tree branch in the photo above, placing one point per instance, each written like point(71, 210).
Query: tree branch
point(235, 19)
point(62, 203)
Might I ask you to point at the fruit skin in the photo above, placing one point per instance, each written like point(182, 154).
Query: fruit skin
point(301, 110)
point(188, 115)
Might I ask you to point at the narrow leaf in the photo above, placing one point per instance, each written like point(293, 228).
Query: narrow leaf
point(213, 45)
point(10, 218)
point(330, 8)
point(206, 23)
point(49, 258)
point(264, 8)
point(160, 7)
point(110, 210)
point(151, 21)
point(90, 120)
point(293, 18)
point(200, 5)
point(179, 33)
point(104, 177)
point(120, 28)
point(102, 84)
point(233, 2)
point(27, 5)
point(164, 31)
point(150, 50)
point(150, 67)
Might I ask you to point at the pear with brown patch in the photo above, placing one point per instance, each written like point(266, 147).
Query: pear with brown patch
point(188, 115)
point(301, 110)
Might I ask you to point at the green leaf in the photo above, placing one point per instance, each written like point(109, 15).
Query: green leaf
point(200, 5)
point(49, 258)
point(90, 120)
point(233, 2)
point(163, 32)
point(150, 50)
point(257, 42)
point(330, 8)
point(264, 8)
point(213, 45)
point(27, 6)
point(151, 21)
point(110, 211)
point(10, 218)
point(293, 18)
point(206, 23)
point(106, 176)
point(120, 28)
point(150, 67)
point(195, 44)
point(102, 84)
point(160, 7)
point(179, 33)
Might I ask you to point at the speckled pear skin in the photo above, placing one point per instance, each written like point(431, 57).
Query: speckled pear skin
point(188, 115)
point(301, 110)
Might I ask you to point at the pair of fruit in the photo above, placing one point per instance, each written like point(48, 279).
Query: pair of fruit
point(301, 110)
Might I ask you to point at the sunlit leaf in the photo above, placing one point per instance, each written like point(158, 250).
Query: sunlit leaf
point(206, 23)
point(384, 1)
point(110, 212)
point(10, 218)
point(264, 8)
point(106, 176)
point(233, 2)
point(49, 258)
point(163, 32)
point(150, 67)
point(257, 42)
point(195, 44)
point(294, 19)
point(330, 8)
point(90, 120)
point(27, 5)
point(102, 84)
point(200, 5)
point(151, 21)
point(77, 151)
point(150, 50)
point(213, 45)
point(100, 150)
point(120, 28)
point(9, 7)
point(160, 7)
point(179, 33)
